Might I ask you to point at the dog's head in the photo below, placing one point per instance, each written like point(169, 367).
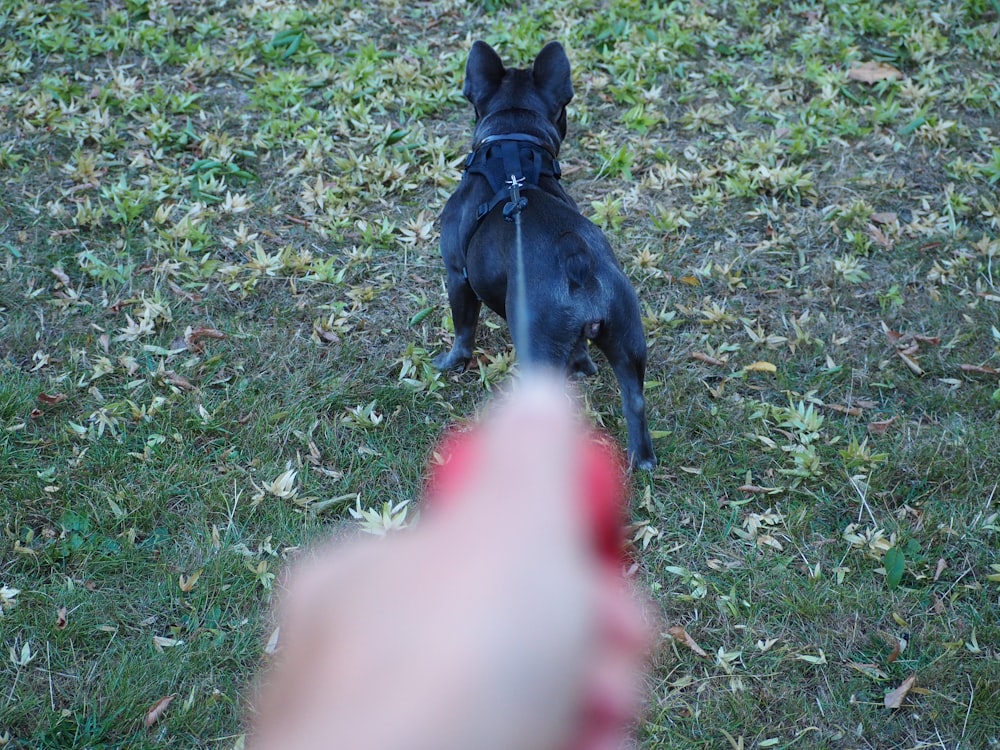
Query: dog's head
point(519, 100)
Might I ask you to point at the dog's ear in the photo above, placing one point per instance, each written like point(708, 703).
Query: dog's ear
point(552, 74)
point(483, 73)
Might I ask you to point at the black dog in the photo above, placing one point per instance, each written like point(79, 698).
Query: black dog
point(575, 290)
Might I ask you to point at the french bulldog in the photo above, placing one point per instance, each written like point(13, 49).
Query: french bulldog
point(574, 290)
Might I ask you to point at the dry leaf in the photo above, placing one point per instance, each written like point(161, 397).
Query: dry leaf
point(172, 378)
point(690, 280)
point(880, 428)
point(894, 698)
point(873, 72)
point(203, 333)
point(272, 643)
point(891, 334)
point(869, 670)
point(186, 583)
point(980, 369)
point(761, 367)
point(941, 565)
point(161, 642)
point(884, 217)
point(193, 337)
point(911, 363)
point(851, 411)
point(929, 340)
point(61, 618)
point(156, 711)
point(702, 357)
point(680, 635)
point(879, 238)
point(60, 275)
point(755, 489)
point(48, 400)
point(896, 650)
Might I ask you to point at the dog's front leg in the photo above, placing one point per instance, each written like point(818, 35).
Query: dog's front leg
point(465, 306)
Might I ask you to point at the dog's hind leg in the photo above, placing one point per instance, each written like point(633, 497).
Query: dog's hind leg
point(465, 306)
point(580, 363)
point(627, 355)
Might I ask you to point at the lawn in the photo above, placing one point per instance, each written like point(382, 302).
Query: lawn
point(220, 295)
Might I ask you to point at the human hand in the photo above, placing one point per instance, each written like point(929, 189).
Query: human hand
point(491, 626)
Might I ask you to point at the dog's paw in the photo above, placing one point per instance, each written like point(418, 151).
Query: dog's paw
point(583, 368)
point(642, 463)
point(451, 361)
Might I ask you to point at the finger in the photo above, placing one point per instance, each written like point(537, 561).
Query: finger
point(532, 443)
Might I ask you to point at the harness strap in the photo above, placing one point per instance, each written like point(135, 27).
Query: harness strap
point(516, 155)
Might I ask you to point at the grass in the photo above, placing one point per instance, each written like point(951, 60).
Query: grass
point(220, 294)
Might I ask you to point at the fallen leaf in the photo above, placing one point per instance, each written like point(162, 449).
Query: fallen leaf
point(910, 362)
point(879, 238)
point(760, 367)
point(186, 583)
point(156, 711)
point(48, 400)
point(702, 357)
point(161, 642)
point(690, 280)
point(61, 618)
point(680, 635)
point(193, 337)
point(929, 340)
point(272, 642)
point(203, 333)
point(770, 541)
point(811, 659)
point(173, 378)
point(60, 275)
point(868, 670)
point(851, 411)
point(755, 489)
point(884, 217)
point(872, 71)
point(896, 650)
point(981, 369)
point(941, 565)
point(894, 698)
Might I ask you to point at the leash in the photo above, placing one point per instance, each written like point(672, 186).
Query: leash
point(512, 212)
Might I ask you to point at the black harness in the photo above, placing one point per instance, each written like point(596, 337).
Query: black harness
point(517, 158)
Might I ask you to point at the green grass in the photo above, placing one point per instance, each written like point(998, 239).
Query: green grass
point(218, 265)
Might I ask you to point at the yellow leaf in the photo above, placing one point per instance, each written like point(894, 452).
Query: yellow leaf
point(187, 583)
point(690, 280)
point(760, 367)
